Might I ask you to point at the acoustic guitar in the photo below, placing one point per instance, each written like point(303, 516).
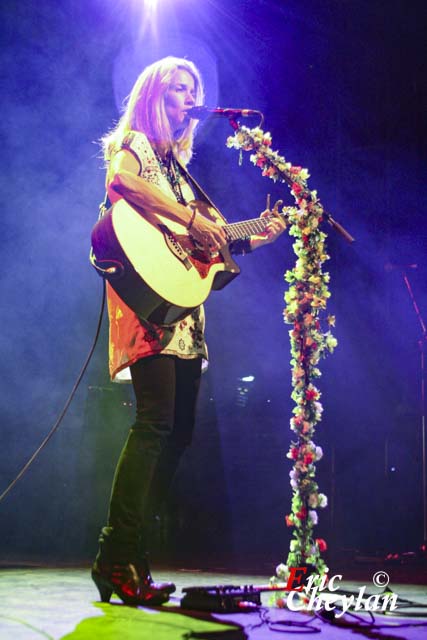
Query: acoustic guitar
point(156, 266)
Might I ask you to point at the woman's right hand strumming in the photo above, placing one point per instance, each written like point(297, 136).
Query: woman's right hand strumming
point(206, 232)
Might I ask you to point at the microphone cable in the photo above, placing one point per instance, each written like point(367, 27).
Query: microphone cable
point(67, 403)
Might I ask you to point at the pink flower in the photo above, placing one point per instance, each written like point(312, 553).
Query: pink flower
point(312, 500)
point(289, 521)
point(306, 428)
point(271, 171)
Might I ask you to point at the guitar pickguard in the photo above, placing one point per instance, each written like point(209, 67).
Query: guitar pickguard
point(201, 259)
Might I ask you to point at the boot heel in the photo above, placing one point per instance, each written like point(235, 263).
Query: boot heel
point(105, 593)
point(105, 590)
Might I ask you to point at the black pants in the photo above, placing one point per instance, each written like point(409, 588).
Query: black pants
point(166, 389)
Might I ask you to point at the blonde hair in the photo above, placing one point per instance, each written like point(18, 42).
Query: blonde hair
point(145, 110)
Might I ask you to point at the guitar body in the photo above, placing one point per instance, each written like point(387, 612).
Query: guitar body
point(154, 265)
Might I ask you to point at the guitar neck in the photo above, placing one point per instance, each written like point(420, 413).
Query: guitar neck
point(241, 230)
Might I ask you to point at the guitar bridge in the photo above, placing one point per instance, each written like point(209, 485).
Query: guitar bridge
point(175, 247)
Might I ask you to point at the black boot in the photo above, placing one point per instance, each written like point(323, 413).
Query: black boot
point(144, 573)
point(124, 581)
point(117, 568)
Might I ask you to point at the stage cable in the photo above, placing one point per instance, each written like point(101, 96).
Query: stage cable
point(362, 623)
point(67, 403)
point(402, 602)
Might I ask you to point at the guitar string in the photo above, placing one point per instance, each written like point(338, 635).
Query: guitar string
point(236, 229)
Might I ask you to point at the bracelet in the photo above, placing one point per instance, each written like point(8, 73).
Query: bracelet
point(241, 247)
point(190, 224)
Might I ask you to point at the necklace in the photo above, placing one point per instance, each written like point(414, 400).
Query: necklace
point(172, 172)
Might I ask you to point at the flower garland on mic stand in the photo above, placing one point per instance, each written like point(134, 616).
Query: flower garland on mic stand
point(306, 297)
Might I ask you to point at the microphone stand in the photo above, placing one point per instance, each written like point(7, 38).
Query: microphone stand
point(338, 227)
point(235, 125)
point(421, 343)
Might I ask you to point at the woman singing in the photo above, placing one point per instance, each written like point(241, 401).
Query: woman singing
point(146, 155)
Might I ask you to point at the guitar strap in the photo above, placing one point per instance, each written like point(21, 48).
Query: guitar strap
point(241, 246)
point(201, 194)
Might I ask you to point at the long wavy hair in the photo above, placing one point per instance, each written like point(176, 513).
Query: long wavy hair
point(145, 111)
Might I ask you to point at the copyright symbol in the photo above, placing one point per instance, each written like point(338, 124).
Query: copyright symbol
point(380, 579)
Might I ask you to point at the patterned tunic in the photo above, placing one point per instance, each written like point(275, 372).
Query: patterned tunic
point(132, 338)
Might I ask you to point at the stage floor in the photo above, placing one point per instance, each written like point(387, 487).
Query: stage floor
point(53, 603)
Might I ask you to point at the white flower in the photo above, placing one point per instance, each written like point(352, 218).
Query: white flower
point(318, 409)
point(323, 500)
point(293, 546)
point(319, 453)
point(294, 478)
point(313, 517)
point(281, 571)
point(331, 342)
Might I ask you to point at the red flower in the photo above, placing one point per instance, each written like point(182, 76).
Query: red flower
point(308, 458)
point(289, 521)
point(296, 188)
point(302, 513)
point(322, 546)
point(260, 162)
point(294, 453)
point(310, 394)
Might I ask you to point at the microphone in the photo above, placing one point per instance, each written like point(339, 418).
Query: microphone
point(198, 113)
point(390, 266)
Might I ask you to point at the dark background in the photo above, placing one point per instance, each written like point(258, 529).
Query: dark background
point(343, 88)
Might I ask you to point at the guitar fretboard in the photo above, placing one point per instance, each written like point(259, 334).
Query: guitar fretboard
point(240, 230)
